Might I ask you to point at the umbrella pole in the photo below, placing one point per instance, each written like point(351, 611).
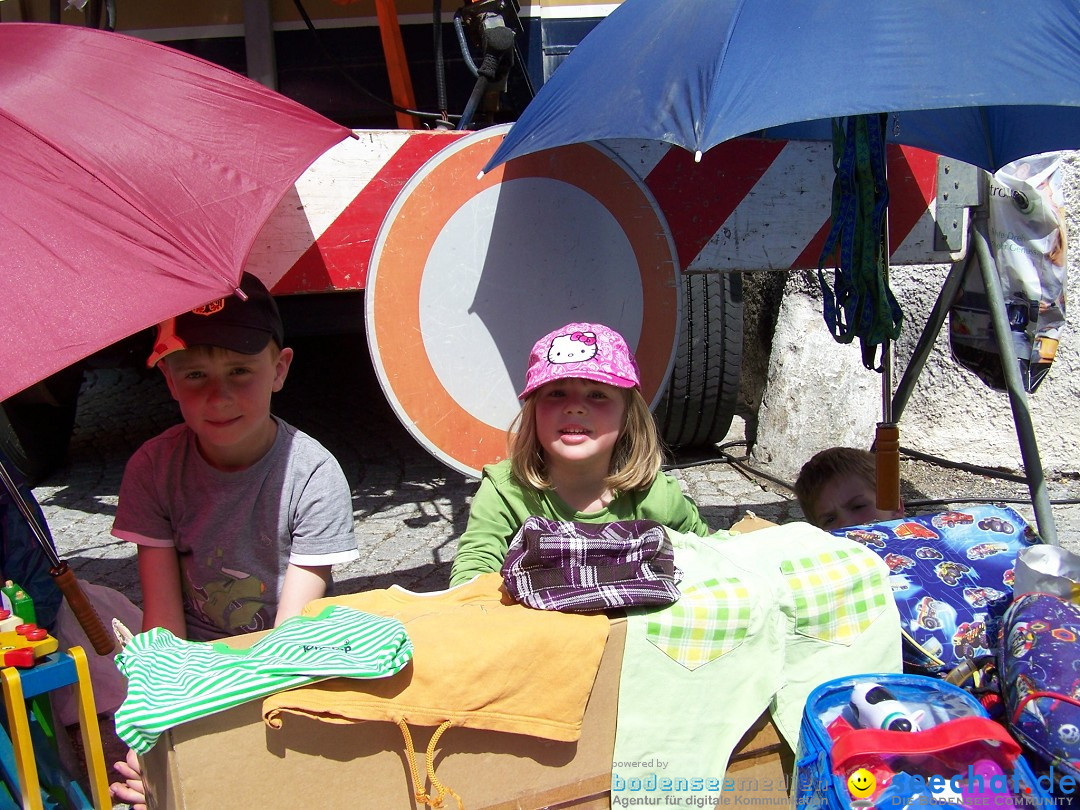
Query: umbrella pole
point(62, 574)
point(887, 437)
point(1025, 429)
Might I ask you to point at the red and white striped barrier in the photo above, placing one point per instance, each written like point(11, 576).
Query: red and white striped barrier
point(749, 205)
point(462, 273)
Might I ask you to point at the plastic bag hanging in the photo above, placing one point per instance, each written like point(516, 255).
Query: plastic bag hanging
point(860, 303)
point(1029, 240)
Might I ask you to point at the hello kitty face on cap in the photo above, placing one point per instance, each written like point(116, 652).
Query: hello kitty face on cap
point(589, 351)
point(573, 348)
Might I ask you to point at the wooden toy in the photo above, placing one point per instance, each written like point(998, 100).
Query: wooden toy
point(25, 645)
point(52, 670)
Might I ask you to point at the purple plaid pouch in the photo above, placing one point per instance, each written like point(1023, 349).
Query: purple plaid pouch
point(585, 567)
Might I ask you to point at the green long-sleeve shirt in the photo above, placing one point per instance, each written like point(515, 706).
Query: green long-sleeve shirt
point(501, 505)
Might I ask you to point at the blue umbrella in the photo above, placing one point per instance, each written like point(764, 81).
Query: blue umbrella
point(985, 83)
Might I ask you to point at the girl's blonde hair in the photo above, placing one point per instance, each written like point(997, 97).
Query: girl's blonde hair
point(635, 460)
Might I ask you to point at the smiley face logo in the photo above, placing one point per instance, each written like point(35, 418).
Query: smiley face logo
point(861, 784)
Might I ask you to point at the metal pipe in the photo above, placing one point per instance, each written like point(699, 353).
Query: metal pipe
point(887, 416)
point(63, 576)
point(887, 435)
point(928, 337)
point(1025, 429)
point(259, 43)
point(24, 508)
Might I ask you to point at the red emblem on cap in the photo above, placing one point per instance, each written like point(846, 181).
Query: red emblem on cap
point(210, 309)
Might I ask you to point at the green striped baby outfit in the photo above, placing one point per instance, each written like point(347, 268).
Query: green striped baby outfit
point(172, 681)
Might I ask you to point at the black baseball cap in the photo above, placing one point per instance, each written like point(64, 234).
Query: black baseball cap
point(244, 326)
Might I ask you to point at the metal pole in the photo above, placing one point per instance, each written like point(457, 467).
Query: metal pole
point(259, 43)
point(928, 337)
point(24, 508)
point(887, 435)
point(62, 575)
point(886, 345)
point(1025, 430)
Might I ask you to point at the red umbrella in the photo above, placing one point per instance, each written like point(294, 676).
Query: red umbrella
point(133, 181)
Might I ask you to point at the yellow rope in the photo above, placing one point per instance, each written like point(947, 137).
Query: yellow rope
point(410, 753)
point(435, 783)
point(419, 792)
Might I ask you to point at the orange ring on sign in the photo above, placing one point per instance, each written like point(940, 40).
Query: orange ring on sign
point(422, 210)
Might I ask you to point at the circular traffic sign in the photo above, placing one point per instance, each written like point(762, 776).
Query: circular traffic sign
point(468, 272)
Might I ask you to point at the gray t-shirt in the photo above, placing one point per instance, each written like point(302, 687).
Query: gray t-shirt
point(237, 532)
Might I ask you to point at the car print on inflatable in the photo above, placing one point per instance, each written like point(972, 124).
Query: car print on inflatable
point(951, 575)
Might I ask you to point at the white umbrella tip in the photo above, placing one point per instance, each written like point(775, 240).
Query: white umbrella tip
point(697, 156)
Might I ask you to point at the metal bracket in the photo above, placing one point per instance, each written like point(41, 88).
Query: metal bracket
point(957, 191)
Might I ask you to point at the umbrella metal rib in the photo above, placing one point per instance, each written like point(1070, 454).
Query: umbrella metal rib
point(65, 579)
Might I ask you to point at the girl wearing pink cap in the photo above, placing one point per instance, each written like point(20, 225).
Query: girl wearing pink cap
point(584, 447)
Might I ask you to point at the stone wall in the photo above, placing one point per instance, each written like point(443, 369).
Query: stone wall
point(815, 393)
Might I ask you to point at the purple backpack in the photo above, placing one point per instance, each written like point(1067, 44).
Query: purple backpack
point(1039, 665)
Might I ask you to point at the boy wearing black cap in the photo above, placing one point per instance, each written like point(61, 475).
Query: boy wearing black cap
point(238, 515)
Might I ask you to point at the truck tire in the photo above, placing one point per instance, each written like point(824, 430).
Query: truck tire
point(697, 408)
point(36, 424)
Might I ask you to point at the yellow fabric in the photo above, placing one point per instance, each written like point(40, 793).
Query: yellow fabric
point(480, 660)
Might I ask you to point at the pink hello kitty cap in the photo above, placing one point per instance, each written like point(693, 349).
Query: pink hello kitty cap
point(588, 351)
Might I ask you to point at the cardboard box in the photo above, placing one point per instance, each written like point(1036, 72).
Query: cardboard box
point(233, 758)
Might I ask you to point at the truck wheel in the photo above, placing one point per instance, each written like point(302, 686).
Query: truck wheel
point(36, 424)
point(699, 403)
